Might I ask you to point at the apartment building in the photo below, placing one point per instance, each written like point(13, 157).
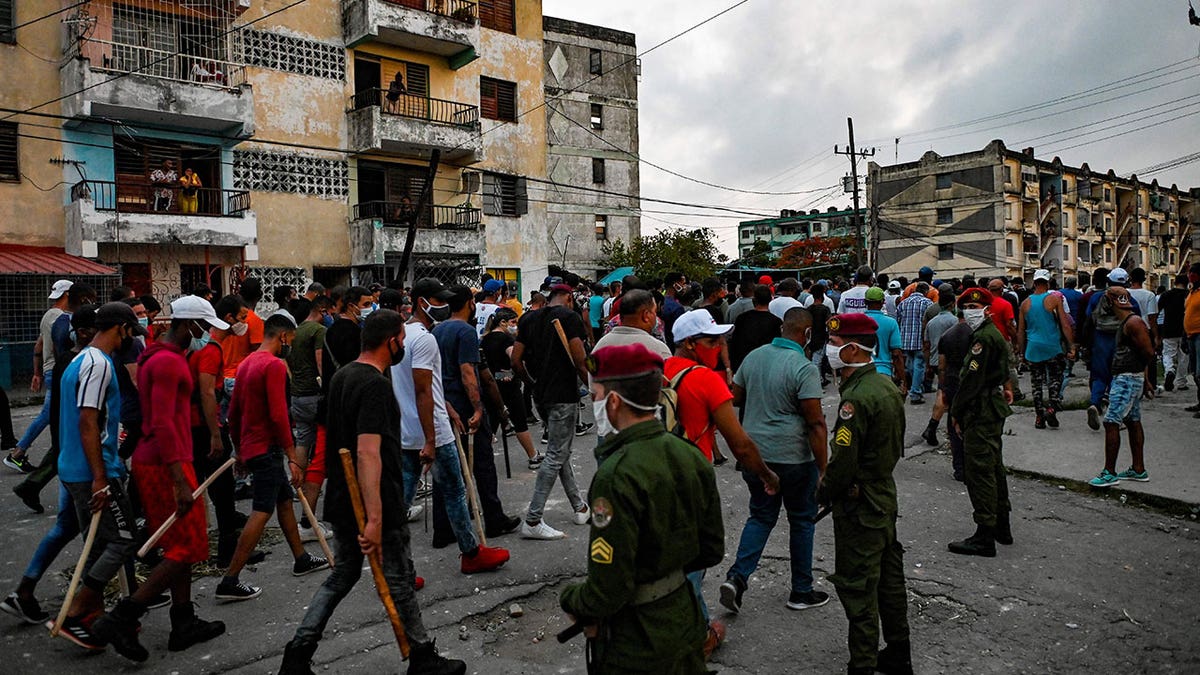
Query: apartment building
point(792, 226)
point(999, 211)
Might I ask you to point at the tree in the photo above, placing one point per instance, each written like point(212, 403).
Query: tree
point(691, 252)
point(760, 254)
point(815, 252)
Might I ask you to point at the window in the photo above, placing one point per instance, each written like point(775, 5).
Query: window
point(1172, 257)
point(1066, 252)
point(9, 168)
point(945, 251)
point(504, 195)
point(1107, 254)
point(498, 99)
point(7, 16)
point(1007, 173)
point(508, 275)
point(601, 228)
point(597, 116)
point(943, 181)
point(945, 216)
point(1008, 211)
point(1108, 194)
point(1066, 221)
point(498, 15)
point(1108, 224)
point(597, 170)
point(1008, 247)
point(595, 61)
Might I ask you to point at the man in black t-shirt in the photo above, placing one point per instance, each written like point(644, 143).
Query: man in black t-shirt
point(753, 329)
point(364, 417)
point(1170, 307)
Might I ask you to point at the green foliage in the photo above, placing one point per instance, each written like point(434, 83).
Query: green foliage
point(760, 255)
point(692, 252)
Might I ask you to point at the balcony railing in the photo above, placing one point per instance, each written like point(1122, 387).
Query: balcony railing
point(143, 197)
point(462, 10)
point(433, 110)
point(396, 214)
point(124, 58)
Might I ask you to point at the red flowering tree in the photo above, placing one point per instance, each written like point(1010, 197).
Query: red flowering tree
point(816, 251)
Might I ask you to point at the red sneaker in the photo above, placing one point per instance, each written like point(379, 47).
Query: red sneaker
point(418, 583)
point(716, 635)
point(485, 560)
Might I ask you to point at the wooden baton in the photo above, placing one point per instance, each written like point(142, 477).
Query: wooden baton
point(83, 556)
point(472, 496)
point(316, 525)
point(203, 487)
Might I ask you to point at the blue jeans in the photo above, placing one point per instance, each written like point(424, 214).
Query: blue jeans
point(914, 363)
point(1194, 361)
point(1100, 367)
point(696, 579)
point(798, 494)
point(66, 528)
point(560, 427)
point(447, 473)
point(39, 423)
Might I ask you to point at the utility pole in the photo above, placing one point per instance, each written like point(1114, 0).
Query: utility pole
point(405, 273)
point(854, 154)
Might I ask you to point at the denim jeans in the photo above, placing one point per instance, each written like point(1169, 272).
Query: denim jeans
point(397, 569)
point(447, 472)
point(66, 528)
point(39, 423)
point(696, 579)
point(1100, 367)
point(914, 363)
point(560, 425)
point(798, 494)
point(1194, 361)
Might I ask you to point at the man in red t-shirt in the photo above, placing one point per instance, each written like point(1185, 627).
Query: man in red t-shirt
point(705, 406)
point(1005, 317)
point(261, 430)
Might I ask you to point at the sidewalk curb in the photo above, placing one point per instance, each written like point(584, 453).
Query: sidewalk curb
point(1167, 505)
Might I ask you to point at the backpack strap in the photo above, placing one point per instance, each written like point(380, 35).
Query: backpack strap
point(674, 383)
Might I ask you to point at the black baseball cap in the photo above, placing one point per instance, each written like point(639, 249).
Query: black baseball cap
point(391, 298)
point(84, 317)
point(428, 287)
point(118, 314)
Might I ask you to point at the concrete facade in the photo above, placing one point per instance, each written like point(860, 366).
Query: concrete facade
point(999, 211)
point(792, 226)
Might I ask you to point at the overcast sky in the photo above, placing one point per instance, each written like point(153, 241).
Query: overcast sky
point(757, 98)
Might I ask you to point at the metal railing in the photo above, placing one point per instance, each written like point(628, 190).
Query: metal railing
point(417, 107)
point(396, 214)
point(144, 197)
point(461, 10)
point(124, 58)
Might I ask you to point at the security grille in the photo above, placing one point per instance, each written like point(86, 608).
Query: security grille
point(290, 54)
point(262, 171)
point(449, 268)
point(270, 277)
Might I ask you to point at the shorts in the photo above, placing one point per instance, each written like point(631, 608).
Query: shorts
point(270, 482)
point(187, 540)
point(1125, 398)
point(304, 419)
point(315, 471)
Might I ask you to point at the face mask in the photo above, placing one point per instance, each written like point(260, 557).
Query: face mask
point(708, 356)
point(833, 354)
point(327, 320)
point(437, 313)
point(974, 317)
point(239, 329)
point(364, 312)
point(284, 351)
point(512, 330)
point(600, 410)
point(144, 322)
point(199, 343)
point(397, 355)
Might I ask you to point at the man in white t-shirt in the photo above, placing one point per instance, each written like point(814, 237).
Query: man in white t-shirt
point(426, 433)
point(488, 306)
point(855, 299)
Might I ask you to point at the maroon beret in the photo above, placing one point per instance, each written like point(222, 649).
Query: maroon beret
point(976, 296)
point(621, 362)
point(852, 323)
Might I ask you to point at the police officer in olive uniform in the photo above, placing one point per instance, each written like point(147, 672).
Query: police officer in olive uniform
point(864, 446)
point(980, 406)
point(656, 515)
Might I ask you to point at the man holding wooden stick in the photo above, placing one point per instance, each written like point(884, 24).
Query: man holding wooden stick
point(365, 418)
point(166, 480)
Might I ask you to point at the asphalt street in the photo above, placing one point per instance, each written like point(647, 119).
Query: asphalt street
point(1091, 585)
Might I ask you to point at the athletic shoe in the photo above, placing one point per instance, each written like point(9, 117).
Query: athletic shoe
point(1040, 422)
point(1052, 419)
point(187, 629)
point(415, 511)
point(1158, 391)
point(532, 420)
point(930, 435)
point(716, 635)
point(28, 611)
point(307, 564)
point(536, 461)
point(18, 464)
point(545, 436)
point(119, 628)
point(731, 594)
point(233, 591)
point(540, 531)
point(1093, 417)
point(583, 427)
point(73, 629)
point(424, 659)
point(1193, 408)
point(505, 525)
point(917, 400)
point(485, 560)
point(582, 517)
point(1182, 384)
point(807, 600)
point(310, 533)
point(418, 583)
point(1130, 474)
point(1105, 479)
point(159, 601)
point(29, 497)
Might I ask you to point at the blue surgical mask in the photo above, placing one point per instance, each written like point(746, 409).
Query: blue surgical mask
point(144, 322)
point(199, 343)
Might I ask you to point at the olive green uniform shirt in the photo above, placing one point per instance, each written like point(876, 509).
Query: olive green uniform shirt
point(984, 372)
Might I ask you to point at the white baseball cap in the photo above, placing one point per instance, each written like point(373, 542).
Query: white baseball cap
point(1118, 276)
point(1041, 275)
point(697, 322)
point(61, 286)
point(780, 306)
point(894, 284)
point(196, 307)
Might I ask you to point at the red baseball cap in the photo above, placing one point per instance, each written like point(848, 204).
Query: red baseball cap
point(623, 362)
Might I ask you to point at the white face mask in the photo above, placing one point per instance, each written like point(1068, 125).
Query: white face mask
point(975, 317)
point(834, 355)
point(239, 329)
point(600, 410)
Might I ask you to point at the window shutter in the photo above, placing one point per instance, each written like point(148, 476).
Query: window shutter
point(597, 170)
point(7, 20)
point(416, 79)
point(506, 99)
point(522, 197)
point(497, 15)
point(488, 104)
point(9, 167)
point(491, 200)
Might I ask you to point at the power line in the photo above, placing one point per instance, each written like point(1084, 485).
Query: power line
point(19, 26)
point(1108, 119)
point(1118, 135)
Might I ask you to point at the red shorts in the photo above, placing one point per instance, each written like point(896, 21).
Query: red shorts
point(315, 472)
point(187, 540)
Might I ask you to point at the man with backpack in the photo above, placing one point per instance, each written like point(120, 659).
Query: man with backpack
point(1101, 326)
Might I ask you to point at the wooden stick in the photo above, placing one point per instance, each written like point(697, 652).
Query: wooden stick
point(381, 584)
point(175, 516)
point(562, 336)
point(83, 556)
point(504, 443)
point(316, 525)
point(472, 496)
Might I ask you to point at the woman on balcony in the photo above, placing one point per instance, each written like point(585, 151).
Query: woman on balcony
point(395, 91)
point(189, 194)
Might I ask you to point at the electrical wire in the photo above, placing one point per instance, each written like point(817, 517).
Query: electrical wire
point(19, 26)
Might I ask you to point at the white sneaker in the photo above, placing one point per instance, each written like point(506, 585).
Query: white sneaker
point(415, 511)
point(310, 534)
point(540, 531)
point(1181, 385)
point(582, 517)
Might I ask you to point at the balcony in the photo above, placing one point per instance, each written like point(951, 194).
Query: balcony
point(159, 88)
point(414, 126)
point(378, 228)
point(105, 212)
point(447, 28)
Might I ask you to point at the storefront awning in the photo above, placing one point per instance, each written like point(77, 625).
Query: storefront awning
point(48, 260)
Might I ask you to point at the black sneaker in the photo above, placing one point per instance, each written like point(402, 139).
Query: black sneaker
point(19, 464)
point(1051, 419)
point(119, 628)
point(1040, 422)
point(187, 629)
point(807, 600)
point(1193, 408)
point(233, 591)
point(425, 660)
point(307, 564)
point(28, 611)
point(930, 435)
point(583, 427)
point(506, 525)
point(917, 400)
point(29, 497)
point(1169, 382)
point(545, 436)
point(73, 629)
point(731, 594)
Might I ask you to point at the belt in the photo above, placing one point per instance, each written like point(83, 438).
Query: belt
point(644, 594)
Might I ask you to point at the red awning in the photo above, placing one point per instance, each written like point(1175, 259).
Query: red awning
point(19, 259)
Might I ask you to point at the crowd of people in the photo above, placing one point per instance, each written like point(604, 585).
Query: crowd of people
point(422, 383)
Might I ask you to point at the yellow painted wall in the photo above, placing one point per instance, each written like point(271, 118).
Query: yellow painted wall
point(301, 231)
